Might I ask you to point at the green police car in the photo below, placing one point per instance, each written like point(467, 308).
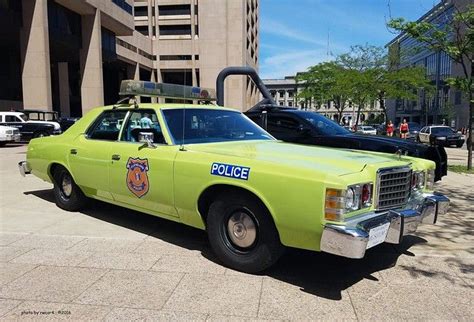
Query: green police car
point(214, 169)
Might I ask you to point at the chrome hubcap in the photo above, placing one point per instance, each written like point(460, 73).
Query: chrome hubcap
point(242, 230)
point(66, 186)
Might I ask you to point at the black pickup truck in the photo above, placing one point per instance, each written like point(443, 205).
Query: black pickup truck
point(305, 127)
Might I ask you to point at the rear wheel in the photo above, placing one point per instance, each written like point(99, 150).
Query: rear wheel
point(242, 233)
point(67, 194)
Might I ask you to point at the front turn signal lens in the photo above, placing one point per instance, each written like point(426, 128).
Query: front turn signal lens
point(334, 204)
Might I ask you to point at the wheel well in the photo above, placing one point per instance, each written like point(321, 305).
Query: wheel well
point(53, 168)
point(213, 192)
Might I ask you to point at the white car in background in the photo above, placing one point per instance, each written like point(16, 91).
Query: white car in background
point(365, 129)
point(9, 134)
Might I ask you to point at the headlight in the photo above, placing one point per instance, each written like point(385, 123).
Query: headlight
point(418, 180)
point(9, 131)
point(350, 199)
point(430, 179)
point(340, 201)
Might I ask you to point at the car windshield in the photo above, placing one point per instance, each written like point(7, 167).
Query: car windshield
point(23, 117)
point(211, 125)
point(441, 130)
point(323, 125)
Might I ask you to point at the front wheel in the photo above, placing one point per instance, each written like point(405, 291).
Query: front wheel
point(242, 233)
point(67, 194)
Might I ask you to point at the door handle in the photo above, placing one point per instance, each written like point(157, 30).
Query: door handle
point(115, 157)
point(73, 151)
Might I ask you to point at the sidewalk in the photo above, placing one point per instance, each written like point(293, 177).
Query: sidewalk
point(109, 263)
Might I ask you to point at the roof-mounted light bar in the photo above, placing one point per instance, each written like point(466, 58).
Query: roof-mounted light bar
point(151, 89)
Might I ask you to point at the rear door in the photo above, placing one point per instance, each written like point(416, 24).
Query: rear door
point(90, 153)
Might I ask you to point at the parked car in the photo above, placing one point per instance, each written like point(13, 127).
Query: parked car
point(305, 127)
point(29, 129)
point(440, 135)
point(50, 116)
point(212, 168)
point(366, 129)
point(9, 134)
point(312, 128)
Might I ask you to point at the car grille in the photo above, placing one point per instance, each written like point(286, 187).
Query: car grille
point(394, 186)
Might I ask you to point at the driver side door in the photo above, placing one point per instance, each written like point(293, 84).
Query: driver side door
point(141, 173)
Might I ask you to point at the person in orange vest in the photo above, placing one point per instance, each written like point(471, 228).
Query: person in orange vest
point(404, 129)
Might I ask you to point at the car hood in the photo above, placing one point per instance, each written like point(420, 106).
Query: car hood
point(327, 160)
point(401, 143)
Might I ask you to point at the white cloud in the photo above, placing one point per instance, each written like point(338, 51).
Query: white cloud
point(291, 62)
point(279, 29)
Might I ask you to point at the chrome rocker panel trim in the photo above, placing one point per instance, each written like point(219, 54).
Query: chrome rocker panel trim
point(24, 168)
point(350, 239)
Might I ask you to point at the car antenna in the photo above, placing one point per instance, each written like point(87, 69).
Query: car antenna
point(181, 148)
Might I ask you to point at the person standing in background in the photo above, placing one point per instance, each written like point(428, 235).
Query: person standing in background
point(404, 129)
point(389, 128)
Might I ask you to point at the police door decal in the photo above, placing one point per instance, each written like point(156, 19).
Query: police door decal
point(137, 177)
point(230, 170)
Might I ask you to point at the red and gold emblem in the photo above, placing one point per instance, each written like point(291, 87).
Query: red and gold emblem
point(137, 178)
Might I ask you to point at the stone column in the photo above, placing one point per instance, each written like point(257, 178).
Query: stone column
point(92, 85)
point(153, 79)
point(34, 39)
point(63, 75)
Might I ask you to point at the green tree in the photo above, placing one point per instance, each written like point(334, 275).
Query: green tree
point(456, 39)
point(325, 82)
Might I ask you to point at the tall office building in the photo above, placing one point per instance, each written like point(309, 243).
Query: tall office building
point(71, 55)
point(448, 105)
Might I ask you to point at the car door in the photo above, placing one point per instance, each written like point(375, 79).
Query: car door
point(89, 153)
point(425, 136)
point(141, 174)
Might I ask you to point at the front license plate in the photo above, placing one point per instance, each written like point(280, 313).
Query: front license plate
point(377, 235)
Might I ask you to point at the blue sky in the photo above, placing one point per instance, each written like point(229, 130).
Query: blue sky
point(294, 33)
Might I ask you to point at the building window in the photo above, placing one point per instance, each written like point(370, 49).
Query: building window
point(175, 57)
point(457, 97)
point(175, 30)
point(141, 11)
point(175, 10)
point(142, 29)
point(290, 104)
point(124, 5)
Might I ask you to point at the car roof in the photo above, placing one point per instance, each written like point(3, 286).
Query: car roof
point(169, 106)
point(11, 113)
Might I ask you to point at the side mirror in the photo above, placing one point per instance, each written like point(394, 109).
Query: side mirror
point(147, 139)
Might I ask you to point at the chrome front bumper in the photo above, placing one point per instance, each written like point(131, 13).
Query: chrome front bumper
point(24, 168)
point(351, 239)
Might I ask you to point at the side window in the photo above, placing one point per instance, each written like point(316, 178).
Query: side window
point(144, 122)
point(11, 119)
point(107, 126)
point(283, 126)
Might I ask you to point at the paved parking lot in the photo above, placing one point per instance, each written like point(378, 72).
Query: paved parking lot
point(109, 263)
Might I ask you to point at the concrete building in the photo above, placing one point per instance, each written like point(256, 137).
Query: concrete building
point(71, 55)
point(447, 105)
point(285, 93)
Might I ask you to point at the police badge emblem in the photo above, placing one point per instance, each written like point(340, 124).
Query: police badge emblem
point(137, 177)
